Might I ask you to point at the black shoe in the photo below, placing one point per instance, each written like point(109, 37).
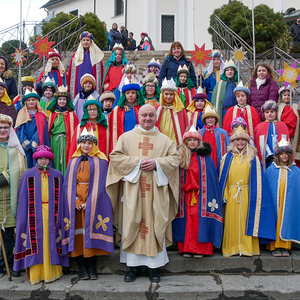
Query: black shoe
point(83, 273)
point(154, 275)
point(91, 263)
point(131, 275)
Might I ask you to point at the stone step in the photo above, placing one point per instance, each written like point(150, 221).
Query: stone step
point(189, 287)
point(265, 263)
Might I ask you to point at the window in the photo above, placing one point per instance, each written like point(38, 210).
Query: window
point(119, 7)
point(167, 28)
point(74, 12)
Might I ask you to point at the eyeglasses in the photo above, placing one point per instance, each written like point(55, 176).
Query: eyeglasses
point(6, 128)
point(150, 86)
point(92, 109)
point(148, 115)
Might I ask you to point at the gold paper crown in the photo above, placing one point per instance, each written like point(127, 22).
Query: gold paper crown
point(183, 69)
point(240, 133)
point(117, 46)
point(62, 89)
point(27, 78)
point(200, 90)
point(210, 112)
point(154, 61)
point(150, 77)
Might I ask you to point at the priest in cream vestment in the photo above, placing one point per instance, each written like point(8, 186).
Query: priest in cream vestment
point(142, 183)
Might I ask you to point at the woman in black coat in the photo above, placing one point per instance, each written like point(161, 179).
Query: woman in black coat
point(7, 77)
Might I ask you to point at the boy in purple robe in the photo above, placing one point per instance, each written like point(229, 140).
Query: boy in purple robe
point(42, 226)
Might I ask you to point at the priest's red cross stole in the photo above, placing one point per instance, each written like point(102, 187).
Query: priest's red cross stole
point(145, 146)
point(145, 187)
point(143, 229)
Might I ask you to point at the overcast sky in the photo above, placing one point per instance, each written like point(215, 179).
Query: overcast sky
point(10, 12)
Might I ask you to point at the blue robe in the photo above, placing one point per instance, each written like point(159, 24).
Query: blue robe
point(261, 218)
point(290, 229)
point(210, 219)
point(28, 135)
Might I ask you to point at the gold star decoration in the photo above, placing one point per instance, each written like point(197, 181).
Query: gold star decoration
point(289, 74)
point(238, 54)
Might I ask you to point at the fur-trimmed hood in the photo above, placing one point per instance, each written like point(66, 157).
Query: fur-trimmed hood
point(7, 74)
point(205, 151)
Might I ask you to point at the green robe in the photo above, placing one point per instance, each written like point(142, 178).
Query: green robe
point(12, 166)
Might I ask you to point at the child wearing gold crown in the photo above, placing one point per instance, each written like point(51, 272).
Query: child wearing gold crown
point(113, 68)
point(62, 123)
point(186, 88)
point(283, 179)
point(171, 114)
point(48, 90)
point(90, 223)
point(248, 213)
point(196, 108)
point(32, 125)
point(153, 67)
point(150, 90)
point(213, 134)
point(87, 59)
point(199, 222)
point(242, 110)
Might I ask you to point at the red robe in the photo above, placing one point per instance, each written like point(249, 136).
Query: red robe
point(102, 138)
point(71, 122)
point(261, 134)
point(179, 120)
point(287, 115)
point(190, 187)
point(113, 77)
point(248, 113)
point(116, 124)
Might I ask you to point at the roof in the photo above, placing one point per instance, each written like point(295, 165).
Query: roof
point(51, 2)
point(291, 15)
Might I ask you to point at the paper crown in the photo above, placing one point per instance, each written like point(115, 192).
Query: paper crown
point(43, 151)
point(117, 46)
point(216, 53)
point(230, 64)
point(241, 88)
point(169, 85)
point(2, 83)
point(29, 94)
point(87, 77)
point(238, 121)
point(192, 133)
point(49, 82)
point(107, 95)
point(27, 80)
point(210, 112)
point(130, 85)
point(6, 119)
point(269, 105)
point(240, 133)
point(87, 136)
point(129, 68)
point(283, 145)
point(200, 94)
point(286, 89)
point(150, 77)
point(183, 69)
point(154, 63)
point(62, 91)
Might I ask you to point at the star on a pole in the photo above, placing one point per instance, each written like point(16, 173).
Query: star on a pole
point(19, 57)
point(200, 55)
point(238, 55)
point(43, 47)
point(289, 74)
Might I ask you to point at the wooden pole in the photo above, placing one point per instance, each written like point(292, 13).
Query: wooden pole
point(5, 257)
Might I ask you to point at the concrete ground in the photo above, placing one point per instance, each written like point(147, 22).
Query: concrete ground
point(216, 277)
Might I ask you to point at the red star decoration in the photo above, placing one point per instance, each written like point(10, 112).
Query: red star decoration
point(43, 47)
point(200, 55)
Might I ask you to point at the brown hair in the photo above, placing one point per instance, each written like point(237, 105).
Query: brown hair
point(278, 161)
point(176, 44)
point(269, 69)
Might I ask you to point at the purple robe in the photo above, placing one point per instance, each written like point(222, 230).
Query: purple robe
point(98, 205)
point(29, 236)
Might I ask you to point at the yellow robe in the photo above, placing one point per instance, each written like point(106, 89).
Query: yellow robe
point(279, 243)
point(45, 272)
point(235, 215)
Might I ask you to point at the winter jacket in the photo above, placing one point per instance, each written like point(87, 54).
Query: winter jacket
point(295, 33)
point(170, 66)
point(267, 91)
point(116, 37)
point(9, 80)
